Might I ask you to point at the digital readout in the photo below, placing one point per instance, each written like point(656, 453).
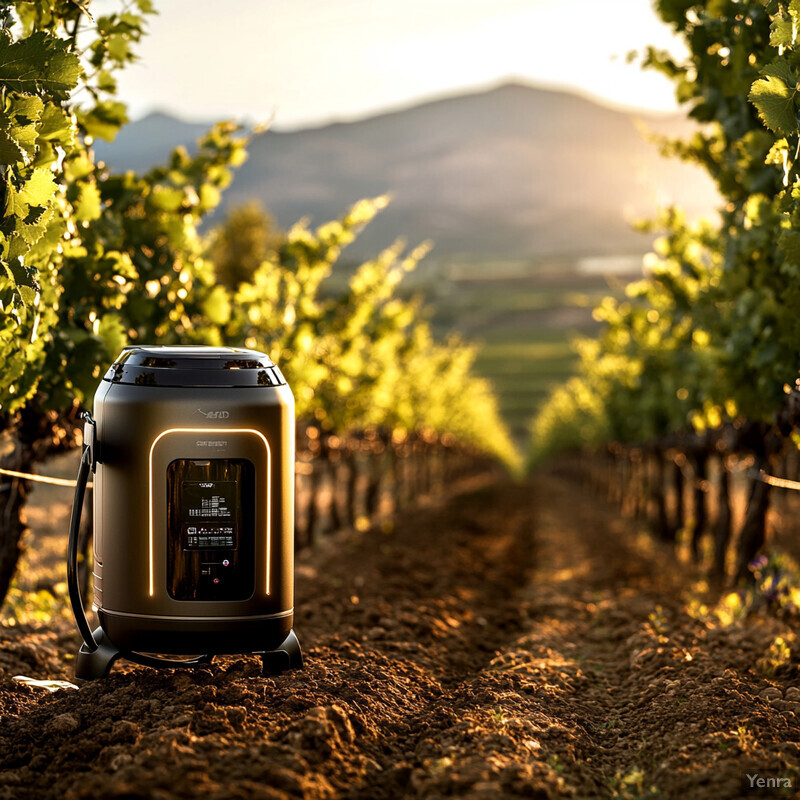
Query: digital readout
point(209, 499)
point(206, 537)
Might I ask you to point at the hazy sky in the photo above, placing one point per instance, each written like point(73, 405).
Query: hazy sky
point(312, 61)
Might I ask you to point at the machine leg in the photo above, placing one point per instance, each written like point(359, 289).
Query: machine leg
point(91, 666)
point(287, 656)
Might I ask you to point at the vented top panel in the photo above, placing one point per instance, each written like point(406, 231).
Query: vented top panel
point(193, 366)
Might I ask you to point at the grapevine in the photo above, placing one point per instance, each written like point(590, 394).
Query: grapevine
point(704, 351)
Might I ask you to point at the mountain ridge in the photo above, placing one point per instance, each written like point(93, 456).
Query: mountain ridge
point(512, 171)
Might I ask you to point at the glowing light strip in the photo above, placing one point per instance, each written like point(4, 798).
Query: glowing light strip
point(209, 431)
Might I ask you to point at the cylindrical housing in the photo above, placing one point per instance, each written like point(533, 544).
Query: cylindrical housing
point(194, 501)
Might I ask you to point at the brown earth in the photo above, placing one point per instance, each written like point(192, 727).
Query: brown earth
point(515, 641)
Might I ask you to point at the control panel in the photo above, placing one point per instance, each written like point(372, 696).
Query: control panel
point(211, 529)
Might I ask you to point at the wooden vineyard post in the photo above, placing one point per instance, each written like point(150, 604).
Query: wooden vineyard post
point(753, 534)
point(623, 480)
point(351, 449)
point(394, 455)
point(313, 490)
point(427, 467)
point(635, 488)
point(334, 464)
point(377, 458)
point(612, 482)
point(660, 523)
point(626, 485)
point(700, 464)
point(313, 436)
point(765, 443)
point(722, 527)
point(300, 501)
point(641, 496)
point(12, 516)
point(406, 472)
point(678, 483)
point(419, 466)
point(785, 461)
point(446, 455)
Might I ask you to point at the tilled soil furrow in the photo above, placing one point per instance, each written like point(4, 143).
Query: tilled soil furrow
point(494, 616)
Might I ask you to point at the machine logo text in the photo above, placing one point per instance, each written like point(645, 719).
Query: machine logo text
point(214, 414)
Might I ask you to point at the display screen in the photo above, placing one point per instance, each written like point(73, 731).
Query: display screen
point(210, 529)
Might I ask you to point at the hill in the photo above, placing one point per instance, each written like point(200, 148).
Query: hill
point(512, 172)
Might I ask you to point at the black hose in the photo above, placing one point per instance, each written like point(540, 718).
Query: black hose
point(72, 554)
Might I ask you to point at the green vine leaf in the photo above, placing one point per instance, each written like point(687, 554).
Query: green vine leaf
point(10, 150)
point(56, 126)
point(24, 278)
point(773, 94)
point(86, 201)
point(39, 64)
point(780, 34)
point(39, 189)
point(19, 122)
point(104, 120)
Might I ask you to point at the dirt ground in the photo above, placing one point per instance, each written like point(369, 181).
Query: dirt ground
point(519, 640)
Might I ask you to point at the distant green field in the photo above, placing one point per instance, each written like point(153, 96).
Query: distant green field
point(524, 372)
point(523, 325)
